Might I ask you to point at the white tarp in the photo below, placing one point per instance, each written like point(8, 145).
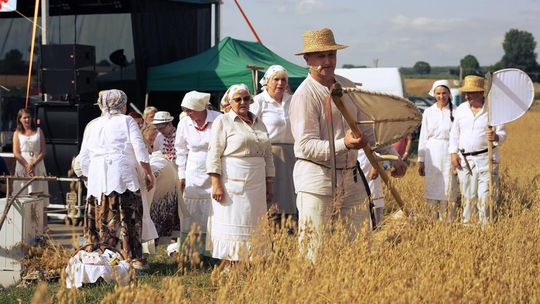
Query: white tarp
point(383, 80)
point(510, 96)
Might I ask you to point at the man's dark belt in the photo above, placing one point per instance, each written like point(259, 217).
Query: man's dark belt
point(476, 152)
point(323, 165)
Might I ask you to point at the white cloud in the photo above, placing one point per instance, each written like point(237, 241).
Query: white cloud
point(306, 7)
point(430, 25)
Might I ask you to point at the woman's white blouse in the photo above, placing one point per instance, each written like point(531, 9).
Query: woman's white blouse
point(275, 116)
point(110, 153)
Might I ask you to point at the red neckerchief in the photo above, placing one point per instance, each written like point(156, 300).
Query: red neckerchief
point(201, 128)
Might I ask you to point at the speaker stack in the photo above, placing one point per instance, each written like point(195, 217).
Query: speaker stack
point(69, 79)
point(69, 72)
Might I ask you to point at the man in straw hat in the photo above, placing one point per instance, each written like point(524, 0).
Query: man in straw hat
point(312, 147)
point(468, 147)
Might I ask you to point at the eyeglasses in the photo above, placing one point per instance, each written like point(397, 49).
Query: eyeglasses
point(244, 99)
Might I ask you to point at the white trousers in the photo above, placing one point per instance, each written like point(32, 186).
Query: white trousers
point(316, 212)
point(475, 188)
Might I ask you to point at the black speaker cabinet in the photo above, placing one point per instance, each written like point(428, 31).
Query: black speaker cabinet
point(68, 82)
point(67, 56)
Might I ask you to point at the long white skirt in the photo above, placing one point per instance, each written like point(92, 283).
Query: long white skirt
point(231, 223)
point(36, 186)
point(197, 194)
point(439, 183)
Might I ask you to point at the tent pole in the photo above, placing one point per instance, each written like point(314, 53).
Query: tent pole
point(248, 22)
point(44, 41)
point(146, 100)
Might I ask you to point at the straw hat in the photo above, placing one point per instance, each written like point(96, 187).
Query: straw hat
point(436, 84)
point(472, 84)
point(320, 41)
point(162, 117)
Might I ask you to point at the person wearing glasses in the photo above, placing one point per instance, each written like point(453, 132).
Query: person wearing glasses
point(272, 107)
point(191, 144)
point(241, 169)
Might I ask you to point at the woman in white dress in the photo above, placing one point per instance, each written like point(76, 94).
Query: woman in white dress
point(272, 107)
point(433, 159)
point(191, 144)
point(115, 160)
point(29, 150)
point(241, 169)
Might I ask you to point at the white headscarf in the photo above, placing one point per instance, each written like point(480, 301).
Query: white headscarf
point(272, 70)
point(111, 101)
point(226, 100)
point(196, 101)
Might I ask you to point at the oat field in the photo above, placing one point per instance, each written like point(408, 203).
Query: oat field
point(413, 260)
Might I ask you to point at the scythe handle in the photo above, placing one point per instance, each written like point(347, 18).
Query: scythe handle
point(336, 97)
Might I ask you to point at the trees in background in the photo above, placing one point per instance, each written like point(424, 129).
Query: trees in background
point(519, 53)
point(13, 63)
point(422, 67)
point(470, 66)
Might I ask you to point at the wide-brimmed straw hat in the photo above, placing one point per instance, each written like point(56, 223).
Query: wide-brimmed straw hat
point(162, 117)
point(320, 41)
point(472, 84)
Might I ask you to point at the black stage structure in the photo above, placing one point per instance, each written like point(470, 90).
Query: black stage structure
point(163, 31)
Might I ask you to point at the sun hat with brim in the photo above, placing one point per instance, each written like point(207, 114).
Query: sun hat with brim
point(438, 83)
point(320, 41)
point(162, 117)
point(472, 84)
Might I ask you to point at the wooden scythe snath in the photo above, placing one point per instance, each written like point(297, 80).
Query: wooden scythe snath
point(508, 96)
point(255, 76)
point(337, 93)
point(490, 150)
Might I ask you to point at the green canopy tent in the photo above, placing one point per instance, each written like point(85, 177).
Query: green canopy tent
point(220, 67)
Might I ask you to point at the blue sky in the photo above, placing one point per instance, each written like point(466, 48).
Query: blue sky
point(397, 33)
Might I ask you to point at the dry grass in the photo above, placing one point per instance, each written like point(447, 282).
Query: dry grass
point(408, 261)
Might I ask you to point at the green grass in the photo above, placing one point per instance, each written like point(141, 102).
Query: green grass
point(160, 267)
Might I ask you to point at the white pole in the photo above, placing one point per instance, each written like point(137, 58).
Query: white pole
point(44, 17)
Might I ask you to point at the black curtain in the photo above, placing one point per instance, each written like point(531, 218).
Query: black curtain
point(166, 31)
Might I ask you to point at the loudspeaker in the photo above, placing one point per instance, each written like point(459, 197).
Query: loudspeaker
point(68, 82)
point(67, 56)
point(63, 126)
point(64, 123)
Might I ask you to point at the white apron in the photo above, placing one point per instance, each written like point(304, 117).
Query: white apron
point(231, 223)
point(197, 193)
point(439, 183)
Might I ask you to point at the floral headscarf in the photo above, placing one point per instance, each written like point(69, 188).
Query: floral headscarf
point(111, 101)
point(226, 100)
point(272, 70)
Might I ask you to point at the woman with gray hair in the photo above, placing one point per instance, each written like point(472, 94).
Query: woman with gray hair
point(241, 169)
point(272, 107)
point(115, 160)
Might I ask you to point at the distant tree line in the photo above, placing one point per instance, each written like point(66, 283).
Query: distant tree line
point(519, 53)
point(13, 63)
